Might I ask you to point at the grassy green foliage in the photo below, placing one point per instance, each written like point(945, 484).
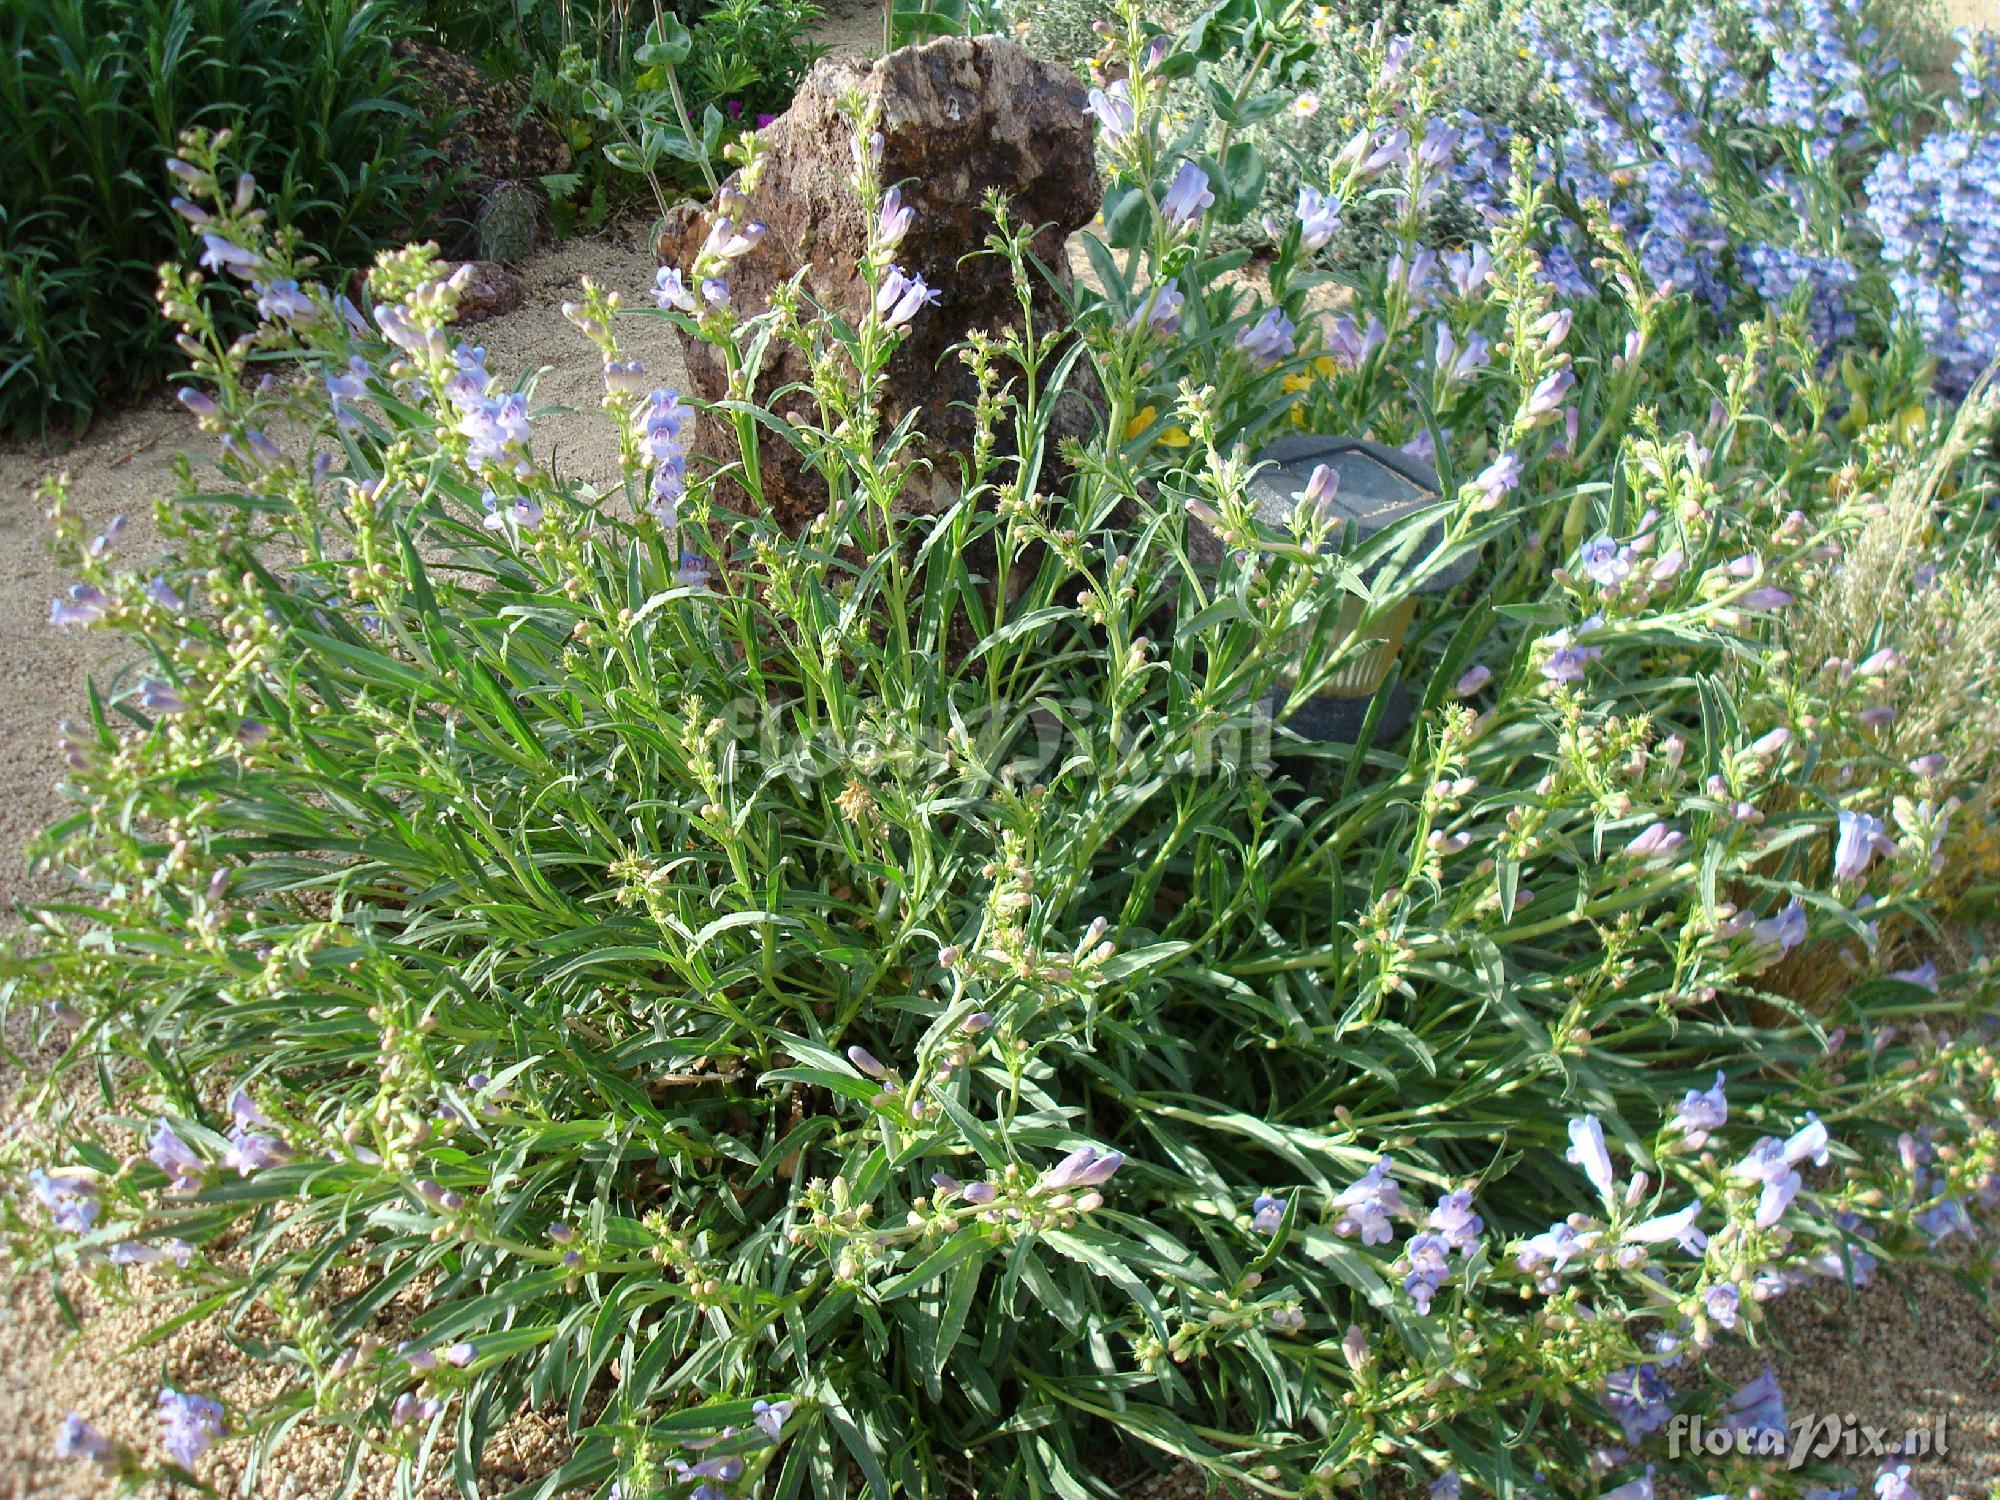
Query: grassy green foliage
point(92, 96)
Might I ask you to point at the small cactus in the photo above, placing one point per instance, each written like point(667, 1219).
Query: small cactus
point(506, 222)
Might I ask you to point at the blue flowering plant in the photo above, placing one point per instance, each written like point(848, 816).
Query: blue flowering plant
point(893, 1005)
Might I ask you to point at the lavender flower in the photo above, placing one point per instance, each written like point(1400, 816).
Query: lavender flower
point(1639, 1400)
point(1893, 1483)
point(1366, 1206)
point(521, 512)
point(1430, 1269)
point(76, 1438)
point(1188, 196)
point(1566, 660)
point(185, 1170)
point(1113, 108)
point(1679, 1227)
point(284, 302)
point(1554, 1248)
point(892, 220)
point(1267, 1213)
point(1319, 218)
point(1605, 562)
point(84, 604)
point(660, 422)
point(1756, 1405)
point(1161, 311)
point(671, 292)
point(220, 254)
point(1860, 838)
point(1656, 842)
point(900, 297)
point(1474, 678)
point(770, 1417)
point(192, 1424)
point(1701, 1112)
point(1494, 482)
point(1269, 339)
point(1083, 1167)
point(1588, 1151)
point(71, 1201)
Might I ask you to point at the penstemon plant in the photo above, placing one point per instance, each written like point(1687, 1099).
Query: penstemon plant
point(891, 1008)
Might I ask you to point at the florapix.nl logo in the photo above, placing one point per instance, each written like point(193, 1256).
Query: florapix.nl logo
point(1807, 1439)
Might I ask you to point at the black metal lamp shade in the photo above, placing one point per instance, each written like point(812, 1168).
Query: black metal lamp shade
point(1378, 487)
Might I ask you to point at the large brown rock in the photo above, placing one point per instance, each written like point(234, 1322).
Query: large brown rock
point(958, 117)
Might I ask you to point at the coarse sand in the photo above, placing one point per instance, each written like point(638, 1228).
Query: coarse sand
point(1914, 1347)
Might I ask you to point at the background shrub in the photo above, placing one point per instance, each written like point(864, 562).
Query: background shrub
point(92, 96)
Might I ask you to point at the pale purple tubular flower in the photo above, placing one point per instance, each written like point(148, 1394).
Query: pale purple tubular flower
point(460, 1355)
point(1893, 1483)
point(1494, 482)
point(193, 213)
point(1860, 838)
point(191, 1425)
point(1633, 1489)
point(185, 1170)
point(162, 594)
point(1928, 766)
point(770, 1417)
point(220, 254)
point(1809, 1141)
point(1321, 486)
point(135, 1253)
point(671, 292)
point(1679, 1227)
point(419, 1357)
point(1083, 1167)
point(980, 1192)
point(101, 544)
point(1605, 562)
point(1390, 149)
point(1269, 339)
point(1113, 108)
point(715, 292)
point(1567, 660)
point(1765, 599)
point(1188, 197)
point(1455, 1222)
point(1756, 1405)
point(1588, 1151)
point(1160, 311)
point(1880, 663)
point(1722, 1304)
point(1319, 217)
point(901, 296)
point(892, 220)
point(252, 1151)
point(84, 604)
point(624, 377)
point(1267, 1213)
point(1766, 1164)
point(1548, 396)
point(283, 301)
point(1784, 931)
point(1555, 1247)
point(1701, 1112)
point(1467, 271)
point(1639, 1398)
point(521, 512)
point(1657, 842)
point(1475, 678)
point(197, 402)
point(1366, 1206)
point(160, 698)
point(76, 1438)
point(343, 391)
point(1447, 1486)
point(1430, 1269)
point(1924, 975)
point(693, 573)
point(71, 1201)
point(867, 1062)
point(728, 242)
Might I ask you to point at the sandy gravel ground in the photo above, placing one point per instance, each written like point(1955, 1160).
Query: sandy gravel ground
point(1914, 1346)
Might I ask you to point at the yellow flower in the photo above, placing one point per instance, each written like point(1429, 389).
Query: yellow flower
point(1172, 437)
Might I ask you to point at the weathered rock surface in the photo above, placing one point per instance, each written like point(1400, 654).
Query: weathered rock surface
point(958, 117)
point(490, 291)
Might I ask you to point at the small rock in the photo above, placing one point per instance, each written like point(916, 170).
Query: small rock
point(490, 291)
